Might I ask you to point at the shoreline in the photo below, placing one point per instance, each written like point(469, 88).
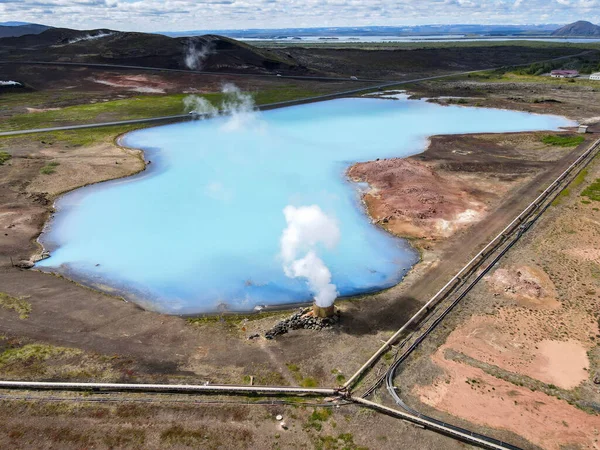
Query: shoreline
point(417, 244)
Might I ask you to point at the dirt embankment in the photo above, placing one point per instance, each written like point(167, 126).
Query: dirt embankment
point(452, 185)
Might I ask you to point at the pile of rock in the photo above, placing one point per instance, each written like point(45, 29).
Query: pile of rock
point(303, 319)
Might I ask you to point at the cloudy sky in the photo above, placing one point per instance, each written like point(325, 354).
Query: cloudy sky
point(178, 15)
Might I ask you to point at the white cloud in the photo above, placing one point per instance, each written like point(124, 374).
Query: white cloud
point(173, 15)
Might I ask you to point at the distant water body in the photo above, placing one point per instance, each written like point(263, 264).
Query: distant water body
point(200, 229)
point(421, 39)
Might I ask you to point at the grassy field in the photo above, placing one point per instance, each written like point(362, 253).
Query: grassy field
point(563, 141)
point(71, 138)
point(138, 107)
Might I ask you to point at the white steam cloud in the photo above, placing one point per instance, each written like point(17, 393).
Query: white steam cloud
point(238, 105)
point(195, 57)
point(90, 37)
point(10, 83)
point(307, 227)
point(199, 105)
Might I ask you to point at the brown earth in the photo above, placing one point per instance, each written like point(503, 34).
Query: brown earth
point(521, 353)
point(151, 347)
point(176, 422)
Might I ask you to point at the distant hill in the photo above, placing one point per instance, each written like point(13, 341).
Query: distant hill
point(103, 46)
point(13, 29)
point(580, 28)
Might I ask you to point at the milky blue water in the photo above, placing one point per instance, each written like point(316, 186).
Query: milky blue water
point(200, 229)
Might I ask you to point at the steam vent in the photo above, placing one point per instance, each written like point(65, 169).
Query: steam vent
point(323, 312)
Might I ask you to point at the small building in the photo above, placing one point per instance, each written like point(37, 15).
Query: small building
point(595, 76)
point(564, 73)
point(582, 129)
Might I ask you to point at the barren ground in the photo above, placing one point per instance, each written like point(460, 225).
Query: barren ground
point(521, 353)
point(73, 333)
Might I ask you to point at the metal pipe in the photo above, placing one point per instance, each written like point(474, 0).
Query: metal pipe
point(433, 299)
point(463, 435)
point(184, 388)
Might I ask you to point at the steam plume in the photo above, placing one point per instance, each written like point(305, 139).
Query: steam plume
point(238, 105)
point(199, 105)
point(195, 57)
point(307, 227)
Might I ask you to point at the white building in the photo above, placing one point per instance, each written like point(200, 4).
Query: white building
point(595, 76)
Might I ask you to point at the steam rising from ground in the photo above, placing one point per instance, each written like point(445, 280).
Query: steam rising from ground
point(307, 228)
point(89, 37)
point(199, 105)
point(238, 105)
point(195, 56)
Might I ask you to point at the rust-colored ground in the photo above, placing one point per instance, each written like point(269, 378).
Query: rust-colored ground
point(524, 353)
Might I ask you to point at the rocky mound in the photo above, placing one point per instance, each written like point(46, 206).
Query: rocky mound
point(303, 319)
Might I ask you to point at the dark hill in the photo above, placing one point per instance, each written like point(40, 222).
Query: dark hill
point(21, 30)
point(214, 53)
point(580, 28)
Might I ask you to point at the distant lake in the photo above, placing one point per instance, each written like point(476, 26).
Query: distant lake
point(423, 39)
point(200, 229)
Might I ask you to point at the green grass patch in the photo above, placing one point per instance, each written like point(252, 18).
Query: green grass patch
point(39, 352)
point(293, 367)
point(562, 140)
point(138, 107)
point(49, 168)
point(17, 304)
point(308, 382)
point(317, 417)
point(592, 192)
point(4, 156)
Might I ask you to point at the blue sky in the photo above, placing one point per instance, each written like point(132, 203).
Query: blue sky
point(177, 15)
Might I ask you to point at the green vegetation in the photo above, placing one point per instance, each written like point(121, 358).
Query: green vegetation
point(308, 382)
point(4, 156)
point(584, 64)
point(32, 352)
point(293, 367)
point(577, 181)
point(138, 107)
point(563, 140)
point(344, 441)
point(49, 168)
point(17, 304)
point(592, 191)
point(316, 419)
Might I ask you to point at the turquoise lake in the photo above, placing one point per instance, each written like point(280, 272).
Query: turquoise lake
point(200, 229)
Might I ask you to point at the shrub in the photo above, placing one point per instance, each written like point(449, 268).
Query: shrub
point(563, 140)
